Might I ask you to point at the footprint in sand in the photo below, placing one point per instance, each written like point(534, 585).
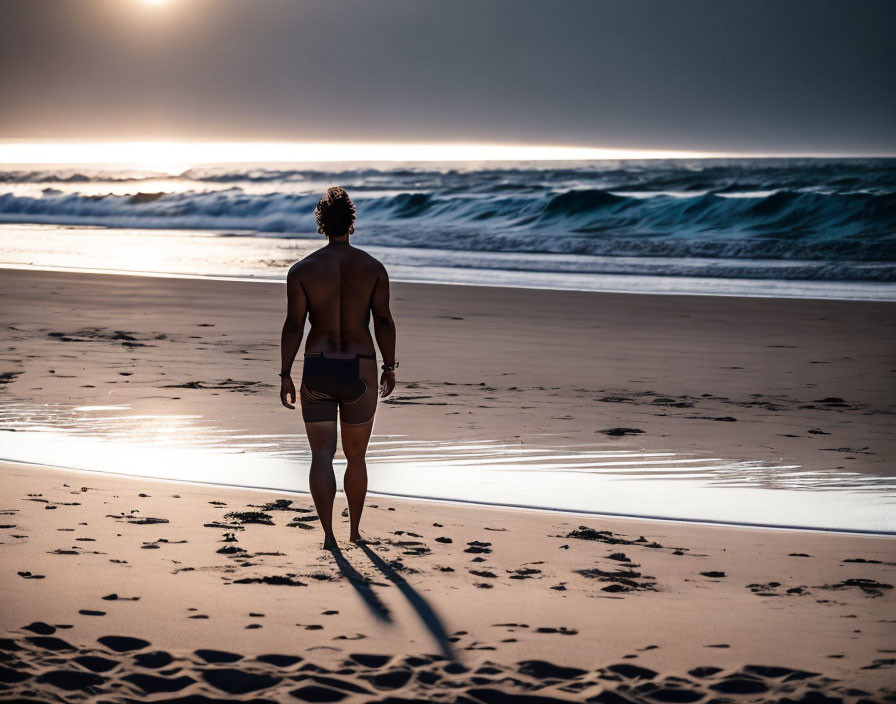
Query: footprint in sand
point(239, 682)
point(71, 679)
point(95, 663)
point(41, 628)
point(122, 644)
point(154, 660)
point(217, 656)
point(278, 660)
point(406, 679)
point(50, 643)
point(543, 670)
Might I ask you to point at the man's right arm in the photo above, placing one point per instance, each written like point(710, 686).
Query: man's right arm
point(384, 328)
point(291, 335)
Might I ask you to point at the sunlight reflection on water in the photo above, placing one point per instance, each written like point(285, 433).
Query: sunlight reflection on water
point(599, 478)
point(265, 257)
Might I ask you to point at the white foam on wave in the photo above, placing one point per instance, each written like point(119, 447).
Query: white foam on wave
point(834, 212)
point(192, 254)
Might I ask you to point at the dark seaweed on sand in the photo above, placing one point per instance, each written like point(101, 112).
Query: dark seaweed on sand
point(606, 536)
point(250, 517)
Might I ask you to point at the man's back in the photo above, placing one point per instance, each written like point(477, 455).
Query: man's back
point(340, 286)
point(337, 288)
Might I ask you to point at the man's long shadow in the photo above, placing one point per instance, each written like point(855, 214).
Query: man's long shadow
point(423, 609)
point(361, 585)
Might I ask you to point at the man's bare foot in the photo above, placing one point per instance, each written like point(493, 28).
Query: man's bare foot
point(357, 539)
point(330, 543)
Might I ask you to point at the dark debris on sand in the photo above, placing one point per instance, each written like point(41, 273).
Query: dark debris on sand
point(127, 669)
point(620, 580)
point(280, 505)
point(245, 387)
point(277, 580)
point(868, 586)
point(97, 334)
point(136, 520)
point(610, 538)
point(619, 432)
point(250, 517)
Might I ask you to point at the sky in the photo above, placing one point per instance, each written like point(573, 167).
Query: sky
point(782, 76)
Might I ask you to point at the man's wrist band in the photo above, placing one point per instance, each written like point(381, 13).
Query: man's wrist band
point(389, 367)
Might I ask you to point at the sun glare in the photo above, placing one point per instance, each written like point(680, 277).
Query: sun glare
point(153, 2)
point(161, 155)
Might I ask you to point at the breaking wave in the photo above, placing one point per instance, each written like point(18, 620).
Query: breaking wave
point(833, 211)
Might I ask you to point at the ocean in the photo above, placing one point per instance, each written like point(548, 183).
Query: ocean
point(788, 227)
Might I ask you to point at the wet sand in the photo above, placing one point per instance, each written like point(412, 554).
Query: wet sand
point(450, 602)
point(809, 382)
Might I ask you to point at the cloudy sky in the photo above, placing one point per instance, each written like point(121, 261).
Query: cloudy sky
point(783, 76)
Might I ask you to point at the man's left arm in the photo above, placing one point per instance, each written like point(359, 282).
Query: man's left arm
point(291, 336)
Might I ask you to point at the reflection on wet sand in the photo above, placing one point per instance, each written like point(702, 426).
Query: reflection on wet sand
point(599, 478)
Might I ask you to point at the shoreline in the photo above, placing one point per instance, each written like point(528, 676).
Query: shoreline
point(287, 250)
point(478, 504)
point(631, 426)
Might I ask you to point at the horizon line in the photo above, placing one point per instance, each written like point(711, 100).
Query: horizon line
point(179, 153)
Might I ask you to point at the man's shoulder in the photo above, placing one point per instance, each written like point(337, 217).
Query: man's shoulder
point(295, 270)
point(369, 259)
point(316, 261)
point(305, 264)
point(300, 270)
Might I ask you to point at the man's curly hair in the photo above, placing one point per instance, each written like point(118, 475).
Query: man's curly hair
point(335, 213)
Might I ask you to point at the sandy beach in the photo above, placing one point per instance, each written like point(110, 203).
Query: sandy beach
point(133, 589)
point(632, 265)
point(766, 379)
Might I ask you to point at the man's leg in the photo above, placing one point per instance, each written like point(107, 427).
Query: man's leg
point(354, 445)
point(322, 439)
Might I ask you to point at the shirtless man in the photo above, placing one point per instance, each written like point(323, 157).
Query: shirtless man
point(337, 287)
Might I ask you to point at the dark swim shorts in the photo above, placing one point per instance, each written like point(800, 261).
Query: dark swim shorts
point(348, 384)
